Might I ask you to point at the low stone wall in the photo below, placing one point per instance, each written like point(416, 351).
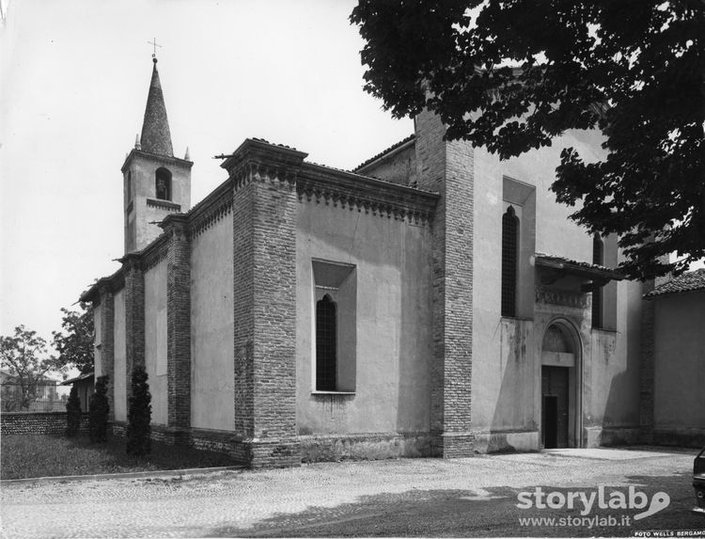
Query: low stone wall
point(37, 423)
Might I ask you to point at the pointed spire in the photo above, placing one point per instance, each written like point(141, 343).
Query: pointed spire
point(138, 144)
point(187, 157)
point(156, 137)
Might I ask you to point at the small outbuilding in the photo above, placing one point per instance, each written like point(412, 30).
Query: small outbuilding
point(85, 385)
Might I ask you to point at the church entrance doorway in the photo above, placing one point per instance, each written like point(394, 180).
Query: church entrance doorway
point(555, 412)
point(560, 387)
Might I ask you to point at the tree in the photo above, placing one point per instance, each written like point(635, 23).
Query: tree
point(139, 415)
point(512, 75)
point(73, 413)
point(74, 343)
point(99, 410)
point(24, 359)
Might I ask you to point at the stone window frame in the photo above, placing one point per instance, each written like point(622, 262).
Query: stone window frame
point(511, 223)
point(338, 281)
point(521, 196)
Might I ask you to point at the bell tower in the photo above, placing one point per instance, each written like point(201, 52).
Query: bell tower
point(155, 183)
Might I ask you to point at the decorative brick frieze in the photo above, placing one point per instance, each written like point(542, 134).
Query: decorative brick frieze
point(356, 192)
point(447, 168)
point(212, 209)
point(107, 342)
point(178, 307)
point(566, 298)
point(134, 316)
point(155, 252)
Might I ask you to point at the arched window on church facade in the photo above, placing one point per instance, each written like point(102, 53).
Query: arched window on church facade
point(510, 254)
point(326, 344)
point(162, 180)
point(598, 257)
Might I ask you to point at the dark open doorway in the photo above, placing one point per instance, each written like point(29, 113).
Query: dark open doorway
point(555, 406)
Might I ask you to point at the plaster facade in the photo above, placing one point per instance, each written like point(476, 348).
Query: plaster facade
point(212, 367)
point(679, 365)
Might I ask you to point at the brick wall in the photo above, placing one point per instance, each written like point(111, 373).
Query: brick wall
point(447, 168)
point(134, 318)
point(37, 423)
point(178, 321)
point(264, 240)
point(107, 343)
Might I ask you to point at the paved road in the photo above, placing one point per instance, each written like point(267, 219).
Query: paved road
point(420, 497)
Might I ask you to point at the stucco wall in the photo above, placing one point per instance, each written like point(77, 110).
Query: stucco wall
point(155, 335)
point(394, 341)
point(120, 378)
point(612, 386)
point(212, 345)
point(679, 362)
point(400, 167)
point(506, 377)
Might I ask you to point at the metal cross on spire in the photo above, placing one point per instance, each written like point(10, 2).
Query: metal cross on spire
point(155, 44)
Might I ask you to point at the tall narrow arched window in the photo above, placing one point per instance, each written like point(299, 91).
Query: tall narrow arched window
point(162, 184)
point(129, 185)
point(326, 344)
point(510, 255)
point(598, 257)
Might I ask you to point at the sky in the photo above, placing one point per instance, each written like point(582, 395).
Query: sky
point(74, 76)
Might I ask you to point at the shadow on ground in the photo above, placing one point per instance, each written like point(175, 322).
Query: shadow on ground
point(489, 512)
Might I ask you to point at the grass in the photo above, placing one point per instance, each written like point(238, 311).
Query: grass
point(25, 456)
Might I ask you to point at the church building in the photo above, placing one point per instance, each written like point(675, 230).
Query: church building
point(432, 302)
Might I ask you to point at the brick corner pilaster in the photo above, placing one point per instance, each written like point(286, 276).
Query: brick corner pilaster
point(134, 316)
point(178, 324)
point(107, 343)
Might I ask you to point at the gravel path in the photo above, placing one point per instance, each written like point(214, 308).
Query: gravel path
point(240, 502)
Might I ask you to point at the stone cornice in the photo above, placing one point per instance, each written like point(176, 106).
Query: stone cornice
point(154, 157)
point(260, 151)
point(353, 191)
point(163, 204)
point(112, 284)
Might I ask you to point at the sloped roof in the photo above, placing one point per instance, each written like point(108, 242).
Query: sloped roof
point(77, 379)
point(384, 152)
point(687, 282)
point(156, 137)
point(574, 266)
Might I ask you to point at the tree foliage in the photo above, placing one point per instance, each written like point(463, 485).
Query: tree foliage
point(99, 411)
point(24, 361)
point(74, 343)
point(512, 75)
point(73, 412)
point(139, 414)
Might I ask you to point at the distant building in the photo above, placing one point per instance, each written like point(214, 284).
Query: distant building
point(42, 394)
point(435, 301)
point(85, 386)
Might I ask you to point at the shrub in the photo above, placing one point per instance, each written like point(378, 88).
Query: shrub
point(139, 415)
point(99, 410)
point(73, 412)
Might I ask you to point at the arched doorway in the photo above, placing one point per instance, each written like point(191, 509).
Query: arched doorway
point(560, 386)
